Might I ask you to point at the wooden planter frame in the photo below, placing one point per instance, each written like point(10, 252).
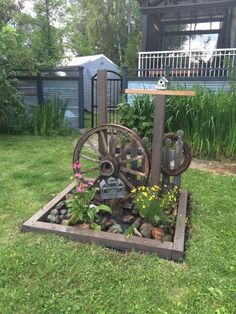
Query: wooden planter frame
point(169, 250)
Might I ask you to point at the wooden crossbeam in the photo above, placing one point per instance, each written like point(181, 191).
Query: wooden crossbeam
point(160, 92)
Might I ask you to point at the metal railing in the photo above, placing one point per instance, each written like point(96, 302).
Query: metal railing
point(188, 63)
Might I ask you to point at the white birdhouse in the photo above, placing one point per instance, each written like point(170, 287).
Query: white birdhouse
point(162, 83)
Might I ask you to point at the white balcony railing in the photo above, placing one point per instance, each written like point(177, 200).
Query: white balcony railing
point(188, 63)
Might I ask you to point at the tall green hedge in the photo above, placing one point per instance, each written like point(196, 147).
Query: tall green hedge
point(208, 120)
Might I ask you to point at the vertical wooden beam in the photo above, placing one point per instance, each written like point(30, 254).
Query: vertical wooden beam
point(158, 132)
point(102, 96)
point(144, 32)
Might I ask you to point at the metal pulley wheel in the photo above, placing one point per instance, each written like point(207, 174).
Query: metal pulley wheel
point(185, 156)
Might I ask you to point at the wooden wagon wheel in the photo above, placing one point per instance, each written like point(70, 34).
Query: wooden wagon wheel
point(107, 150)
point(186, 161)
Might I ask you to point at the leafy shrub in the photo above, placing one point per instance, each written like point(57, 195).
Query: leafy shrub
point(208, 120)
point(49, 117)
point(139, 115)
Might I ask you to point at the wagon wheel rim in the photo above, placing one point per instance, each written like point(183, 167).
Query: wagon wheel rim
point(105, 151)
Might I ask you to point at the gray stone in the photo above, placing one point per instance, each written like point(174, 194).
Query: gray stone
point(67, 216)
point(146, 230)
point(115, 229)
point(63, 211)
point(49, 218)
point(137, 233)
point(60, 205)
point(64, 222)
point(54, 212)
point(55, 219)
point(128, 205)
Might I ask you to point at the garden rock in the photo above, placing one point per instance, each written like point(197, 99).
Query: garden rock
point(128, 205)
point(54, 212)
point(128, 219)
point(64, 222)
point(105, 223)
point(157, 233)
point(55, 219)
point(146, 230)
point(167, 237)
point(115, 229)
point(63, 211)
point(84, 226)
point(67, 216)
point(60, 205)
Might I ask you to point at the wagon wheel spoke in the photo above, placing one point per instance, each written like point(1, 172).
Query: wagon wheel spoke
point(137, 173)
point(128, 160)
point(126, 181)
point(103, 143)
point(89, 158)
point(94, 148)
point(89, 170)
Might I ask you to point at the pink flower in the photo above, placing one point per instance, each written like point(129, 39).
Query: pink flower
point(78, 175)
point(90, 183)
point(76, 165)
point(80, 188)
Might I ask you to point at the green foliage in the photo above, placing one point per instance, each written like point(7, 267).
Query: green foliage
point(208, 120)
point(49, 117)
point(45, 273)
point(108, 27)
point(155, 205)
point(12, 111)
point(80, 204)
point(46, 38)
point(139, 115)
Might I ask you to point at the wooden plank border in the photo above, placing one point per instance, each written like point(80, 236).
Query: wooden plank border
point(168, 250)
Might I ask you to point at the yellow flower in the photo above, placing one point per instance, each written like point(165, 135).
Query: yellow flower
point(145, 194)
point(144, 206)
point(133, 191)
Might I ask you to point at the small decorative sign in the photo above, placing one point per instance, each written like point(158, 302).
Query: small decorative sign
point(111, 188)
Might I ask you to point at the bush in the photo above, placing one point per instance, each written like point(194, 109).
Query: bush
point(208, 120)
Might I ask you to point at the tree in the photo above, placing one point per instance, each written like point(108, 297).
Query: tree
point(12, 111)
point(106, 27)
point(46, 38)
point(8, 10)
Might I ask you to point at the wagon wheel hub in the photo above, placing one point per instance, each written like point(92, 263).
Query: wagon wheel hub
point(108, 166)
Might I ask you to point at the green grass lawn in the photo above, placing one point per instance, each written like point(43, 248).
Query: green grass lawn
point(48, 274)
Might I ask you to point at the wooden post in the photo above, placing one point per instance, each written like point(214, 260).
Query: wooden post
point(158, 132)
point(102, 96)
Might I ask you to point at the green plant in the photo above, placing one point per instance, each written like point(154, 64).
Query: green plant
point(49, 117)
point(139, 115)
point(208, 120)
point(156, 205)
point(80, 204)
